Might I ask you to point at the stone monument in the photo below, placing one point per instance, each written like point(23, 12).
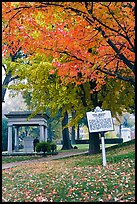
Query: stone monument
point(28, 144)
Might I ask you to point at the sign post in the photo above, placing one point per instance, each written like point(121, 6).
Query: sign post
point(100, 121)
point(103, 149)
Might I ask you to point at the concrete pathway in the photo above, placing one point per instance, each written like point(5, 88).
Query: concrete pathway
point(48, 158)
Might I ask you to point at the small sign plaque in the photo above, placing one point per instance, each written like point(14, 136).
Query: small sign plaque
point(100, 121)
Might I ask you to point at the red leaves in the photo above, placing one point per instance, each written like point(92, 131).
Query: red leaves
point(52, 71)
point(64, 181)
point(62, 30)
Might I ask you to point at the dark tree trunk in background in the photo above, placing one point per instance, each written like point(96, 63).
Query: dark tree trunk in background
point(65, 133)
point(78, 132)
point(5, 83)
point(73, 131)
point(73, 135)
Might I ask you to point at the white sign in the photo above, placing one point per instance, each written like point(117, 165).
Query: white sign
point(100, 121)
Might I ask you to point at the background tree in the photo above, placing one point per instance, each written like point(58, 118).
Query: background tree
point(73, 130)
point(48, 91)
point(65, 133)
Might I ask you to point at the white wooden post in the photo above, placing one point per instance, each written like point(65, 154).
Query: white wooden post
point(103, 149)
point(9, 138)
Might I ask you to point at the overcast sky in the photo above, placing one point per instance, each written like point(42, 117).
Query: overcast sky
point(13, 104)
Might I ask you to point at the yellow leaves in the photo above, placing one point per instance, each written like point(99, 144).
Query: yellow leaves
point(16, 4)
point(64, 88)
point(40, 19)
point(35, 34)
point(93, 67)
point(56, 30)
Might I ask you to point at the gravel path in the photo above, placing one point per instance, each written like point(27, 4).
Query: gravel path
point(48, 158)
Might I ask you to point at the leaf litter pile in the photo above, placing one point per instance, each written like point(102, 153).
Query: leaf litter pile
point(70, 180)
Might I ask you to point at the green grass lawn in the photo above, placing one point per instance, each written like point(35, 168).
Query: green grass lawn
point(10, 159)
point(82, 147)
point(17, 158)
point(75, 179)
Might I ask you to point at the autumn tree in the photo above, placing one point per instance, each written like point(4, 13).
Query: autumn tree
point(75, 37)
point(47, 91)
point(92, 44)
point(51, 92)
point(95, 36)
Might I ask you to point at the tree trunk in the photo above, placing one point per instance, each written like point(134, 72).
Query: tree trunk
point(65, 133)
point(94, 144)
point(78, 132)
point(5, 83)
point(73, 136)
point(73, 131)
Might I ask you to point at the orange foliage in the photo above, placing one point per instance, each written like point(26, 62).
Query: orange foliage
point(82, 32)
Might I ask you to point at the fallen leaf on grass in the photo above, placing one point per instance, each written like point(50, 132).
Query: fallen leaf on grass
point(109, 197)
point(116, 199)
point(116, 186)
point(129, 193)
point(54, 192)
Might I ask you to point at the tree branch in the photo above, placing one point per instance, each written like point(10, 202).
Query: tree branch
point(126, 37)
point(117, 75)
point(13, 78)
point(4, 67)
point(121, 56)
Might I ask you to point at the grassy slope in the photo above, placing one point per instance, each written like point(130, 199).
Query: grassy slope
point(81, 147)
point(75, 179)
